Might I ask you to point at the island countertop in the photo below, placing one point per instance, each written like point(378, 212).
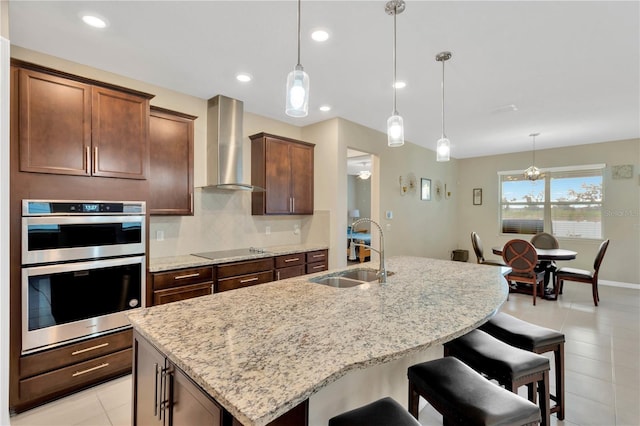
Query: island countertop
point(260, 351)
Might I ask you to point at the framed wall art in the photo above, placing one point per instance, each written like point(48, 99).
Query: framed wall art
point(425, 189)
point(477, 196)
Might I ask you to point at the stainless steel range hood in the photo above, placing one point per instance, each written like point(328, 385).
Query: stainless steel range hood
point(224, 145)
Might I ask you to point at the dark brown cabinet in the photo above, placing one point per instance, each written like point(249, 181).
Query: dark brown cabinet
point(171, 162)
point(317, 261)
point(181, 284)
point(289, 266)
point(163, 395)
point(75, 366)
point(235, 275)
point(74, 126)
point(284, 168)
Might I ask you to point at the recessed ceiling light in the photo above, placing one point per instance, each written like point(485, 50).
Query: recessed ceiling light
point(320, 35)
point(95, 21)
point(325, 108)
point(244, 77)
point(400, 85)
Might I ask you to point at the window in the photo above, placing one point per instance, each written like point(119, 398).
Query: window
point(565, 202)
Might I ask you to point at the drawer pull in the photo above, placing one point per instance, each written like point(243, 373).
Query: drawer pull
point(181, 277)
point(319, 267)
point(89, 370)
point(293, 259)
point(248, 280)
point(318, 255)
point(81, 351)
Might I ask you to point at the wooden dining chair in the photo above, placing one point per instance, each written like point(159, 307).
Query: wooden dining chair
point(581, 275)
point(521, 256)
point(544, 240)
point(479, 251)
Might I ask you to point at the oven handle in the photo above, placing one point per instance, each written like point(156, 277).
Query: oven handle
point(83, 266)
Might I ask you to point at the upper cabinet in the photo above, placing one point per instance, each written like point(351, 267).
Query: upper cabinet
point(284, 168)
point(171, 163)
point(75, 126)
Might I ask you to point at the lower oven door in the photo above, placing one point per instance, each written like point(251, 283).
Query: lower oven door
point(71, 301)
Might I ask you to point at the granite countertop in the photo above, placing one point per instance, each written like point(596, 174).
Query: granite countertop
point(160, 264)
point(259, 351)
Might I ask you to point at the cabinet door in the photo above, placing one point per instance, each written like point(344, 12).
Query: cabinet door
point(120, 134)
point(171, 163)
point(150, 384)
point(301, 178)
point(190, 405)
point(55, 124)
point(278, 177)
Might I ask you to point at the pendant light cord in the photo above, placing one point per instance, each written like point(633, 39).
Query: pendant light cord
point(443, 133)
point(395, 12)
point(299, 64)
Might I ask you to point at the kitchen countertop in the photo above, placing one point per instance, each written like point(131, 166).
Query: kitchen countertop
point(160, 264)
point(259, 351)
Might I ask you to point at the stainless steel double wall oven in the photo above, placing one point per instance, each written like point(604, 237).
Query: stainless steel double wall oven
point(83, 266)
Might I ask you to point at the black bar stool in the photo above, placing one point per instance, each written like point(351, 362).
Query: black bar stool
point(510, 366)
point(536, 339)
point(464, 397)
point(383, 412)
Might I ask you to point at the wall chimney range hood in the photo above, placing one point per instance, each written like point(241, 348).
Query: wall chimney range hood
point(224, 145)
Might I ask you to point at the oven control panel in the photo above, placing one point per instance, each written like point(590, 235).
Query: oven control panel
point(46, 207)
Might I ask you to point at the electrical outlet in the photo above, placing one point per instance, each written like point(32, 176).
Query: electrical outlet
point(160, 235)
point(296, 229)
point(267, 230)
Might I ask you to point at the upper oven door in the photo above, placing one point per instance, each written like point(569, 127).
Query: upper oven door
point(65, 238)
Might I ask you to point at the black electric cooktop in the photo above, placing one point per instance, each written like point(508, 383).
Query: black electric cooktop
point(224, 254)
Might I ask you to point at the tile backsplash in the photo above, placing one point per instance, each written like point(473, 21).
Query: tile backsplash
point(222, 220)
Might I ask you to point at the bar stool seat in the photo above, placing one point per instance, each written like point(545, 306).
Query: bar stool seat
point(536, 339)
point(510, 366)
point(383, 412)
point(464, 397)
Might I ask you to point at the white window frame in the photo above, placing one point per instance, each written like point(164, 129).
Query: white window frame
point(547, 222)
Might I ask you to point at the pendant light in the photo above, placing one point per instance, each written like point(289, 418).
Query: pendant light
point(297, 86)
point(395, 126)
point(533, 173)
point(443, 147)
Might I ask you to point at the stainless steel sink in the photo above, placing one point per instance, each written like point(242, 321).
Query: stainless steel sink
point(340, 282)
point(349, 278)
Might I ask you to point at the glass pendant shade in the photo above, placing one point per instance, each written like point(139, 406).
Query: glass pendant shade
point(297, 93)
point(532, 173)
point(395, 131)
point(443, 149)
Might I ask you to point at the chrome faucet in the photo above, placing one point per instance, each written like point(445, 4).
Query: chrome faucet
point(382, 271)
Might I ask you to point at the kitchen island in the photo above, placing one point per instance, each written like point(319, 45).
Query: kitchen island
point(261, 351)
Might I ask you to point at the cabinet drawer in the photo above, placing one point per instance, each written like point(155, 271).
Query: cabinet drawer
point(242, 268)
point(290, 272)
point(181, 277)
point(181, 293)
point(244, 281)
point(41, 362)
point(287, 260)
point(317, 256)
point(316, 267)
point(76, 376)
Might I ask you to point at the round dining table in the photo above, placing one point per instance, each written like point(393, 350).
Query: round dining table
point(546, 256)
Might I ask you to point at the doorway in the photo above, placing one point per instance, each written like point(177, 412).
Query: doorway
point(359, 172)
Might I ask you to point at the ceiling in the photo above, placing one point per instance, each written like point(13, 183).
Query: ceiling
point(570, 68)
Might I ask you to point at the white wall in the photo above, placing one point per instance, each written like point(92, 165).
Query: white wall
point(621, 221)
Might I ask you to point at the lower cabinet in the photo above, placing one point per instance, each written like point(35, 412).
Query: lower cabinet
point(235, 275)
point(181, 284)
point(163, 395)
point(56, 372)
point(289, 266)
point(317, 261)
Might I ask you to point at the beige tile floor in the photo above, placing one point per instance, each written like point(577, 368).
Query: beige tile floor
point(602, 365)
